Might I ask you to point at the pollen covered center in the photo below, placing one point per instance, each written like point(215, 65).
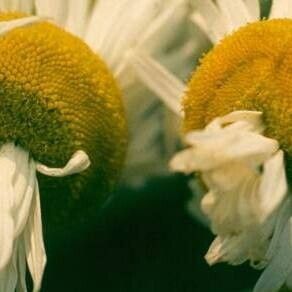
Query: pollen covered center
point(249, 70)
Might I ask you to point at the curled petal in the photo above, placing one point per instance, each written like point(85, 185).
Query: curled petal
point(79, 162)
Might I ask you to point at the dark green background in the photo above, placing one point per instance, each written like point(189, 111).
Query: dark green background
point(143, 241)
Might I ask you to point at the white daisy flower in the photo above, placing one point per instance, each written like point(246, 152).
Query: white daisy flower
point(240, 97)
point(123, 33)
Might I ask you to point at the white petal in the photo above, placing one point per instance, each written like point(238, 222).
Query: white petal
point(210, 150)
point(7, 169)
point(208, 17)
point(54, 9)
point(235, 12)
point(34, 243)
point(273, 187)
point(193, 205)
point(163, 27)
point(280, 266)
point(232, 250)
point(21, 267)
point(23, 187)
point(253, 7)
point(253, 118)
point(184, 161)
point(9, 5)
point(280, 223)
point(78, 15)
point(281, 9)
point(122, 23)
point(163, 83)
point(8, 276)
point(26, 6)
point(79, 162)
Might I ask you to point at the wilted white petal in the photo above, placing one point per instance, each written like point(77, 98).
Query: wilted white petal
point(211, 149)
point(79, 162)
point(280, 266)
point(8, 275)
point(21, 267)
point(7, 169)
point(231, 249)
point(253, 119)
point(34, 243)
point(24, 185)
point(273, 187)
point(244, 173)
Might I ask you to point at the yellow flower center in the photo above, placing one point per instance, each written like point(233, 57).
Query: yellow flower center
point(57, 97)
point(249, 70)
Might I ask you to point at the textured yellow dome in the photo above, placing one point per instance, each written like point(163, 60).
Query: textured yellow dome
point(57, 97)
point(249, 70)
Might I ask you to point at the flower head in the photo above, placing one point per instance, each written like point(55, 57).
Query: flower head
point(237, 123)
point(60, 105)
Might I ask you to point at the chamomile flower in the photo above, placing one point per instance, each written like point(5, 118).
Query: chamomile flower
point(60, 105)
point(236, 119)
point(58, 102)
point(129, 35)
point(49, 80)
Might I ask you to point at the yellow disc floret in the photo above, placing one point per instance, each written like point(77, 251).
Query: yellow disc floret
point(249, 70)
point(57, 97)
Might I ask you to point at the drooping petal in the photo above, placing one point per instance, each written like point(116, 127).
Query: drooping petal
point(8, 275)
point(7, 169)
point(244, 174)
point(34, 243)
point(21, 267)
point(280, 266)
point(78, 162)
point(23, 185)
point(211, 149)
point(273, 187)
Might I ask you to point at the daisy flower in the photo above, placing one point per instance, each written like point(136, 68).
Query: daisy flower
point(129, 36)
point(236, 120)
point(62, 121)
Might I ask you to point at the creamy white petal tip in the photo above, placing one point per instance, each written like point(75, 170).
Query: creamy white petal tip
point(79, 162)
point(21, 236)
point(247, 195)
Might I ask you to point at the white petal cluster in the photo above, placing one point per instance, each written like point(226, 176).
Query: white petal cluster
point(247, 199)
point(21, 236)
